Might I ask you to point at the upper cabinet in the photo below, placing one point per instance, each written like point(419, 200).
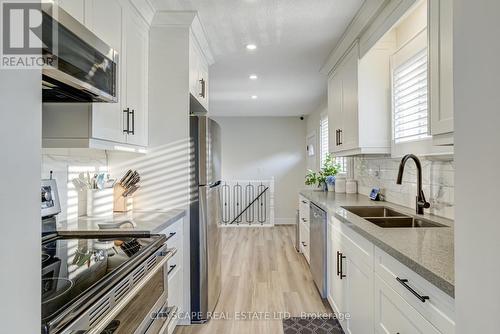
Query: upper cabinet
point(358, 104)
point(107, 125)
point(440, 27)
point(391, 91)
point(198, 72)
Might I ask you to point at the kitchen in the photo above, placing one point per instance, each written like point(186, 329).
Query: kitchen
point(148, 204)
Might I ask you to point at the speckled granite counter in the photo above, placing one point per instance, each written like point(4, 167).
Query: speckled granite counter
point(427, 251)
point(137, 222)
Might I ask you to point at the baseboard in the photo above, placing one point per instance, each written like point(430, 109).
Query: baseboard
point(284, 221)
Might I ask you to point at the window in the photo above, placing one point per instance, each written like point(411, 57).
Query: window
point(410, 99)
point(323, 140)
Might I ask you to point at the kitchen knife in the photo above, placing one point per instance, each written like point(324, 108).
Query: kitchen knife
point(127, 174)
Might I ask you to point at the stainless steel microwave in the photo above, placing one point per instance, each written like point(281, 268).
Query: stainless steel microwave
point(85, 68)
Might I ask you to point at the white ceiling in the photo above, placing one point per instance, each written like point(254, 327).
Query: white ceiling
point(294, 38)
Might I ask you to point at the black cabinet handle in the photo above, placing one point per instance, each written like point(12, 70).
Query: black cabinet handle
point(133, 121)
point(304, 220)
point(304, 244)
point(171, 268)
point(341, 268)
point(127, 130)
point(340, 137)
point(305, 202)
point(338, 263)
point(171, 234)
point(404, 282)
point(337, 137)
point(203, 89)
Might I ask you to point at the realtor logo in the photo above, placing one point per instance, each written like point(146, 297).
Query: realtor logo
point(22, 36)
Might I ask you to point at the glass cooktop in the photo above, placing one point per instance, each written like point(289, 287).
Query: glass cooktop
point(72, 267)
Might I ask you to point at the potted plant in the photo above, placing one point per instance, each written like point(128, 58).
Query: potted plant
point(325, 178)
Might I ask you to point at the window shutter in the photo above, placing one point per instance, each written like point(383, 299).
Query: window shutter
point(410, 99)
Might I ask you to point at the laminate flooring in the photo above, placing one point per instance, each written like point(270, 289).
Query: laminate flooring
point(263, 280)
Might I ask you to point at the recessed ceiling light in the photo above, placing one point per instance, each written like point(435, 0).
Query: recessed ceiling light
point(251, 46)
point(253, 77)
point(254, 97)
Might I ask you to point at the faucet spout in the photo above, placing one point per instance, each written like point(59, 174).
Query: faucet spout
point(421, 203)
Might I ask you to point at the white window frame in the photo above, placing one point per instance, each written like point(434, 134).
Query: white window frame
point(322, 153)
point(422, 146)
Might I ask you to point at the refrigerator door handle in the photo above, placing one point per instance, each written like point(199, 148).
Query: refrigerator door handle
point(215, 184)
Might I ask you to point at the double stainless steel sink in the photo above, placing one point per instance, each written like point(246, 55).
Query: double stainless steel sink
point(388, 218)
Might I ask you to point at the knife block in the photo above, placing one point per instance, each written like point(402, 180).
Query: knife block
point(120, 203)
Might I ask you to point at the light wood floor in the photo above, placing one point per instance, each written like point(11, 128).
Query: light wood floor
point(261, 272)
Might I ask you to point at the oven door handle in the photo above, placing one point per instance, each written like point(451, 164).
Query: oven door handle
point(165, 255)
point(171, 312)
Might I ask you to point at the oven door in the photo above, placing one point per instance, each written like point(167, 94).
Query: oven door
point(144, 310)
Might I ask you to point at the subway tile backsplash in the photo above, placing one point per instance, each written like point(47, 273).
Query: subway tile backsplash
point(437, 179)
point(67, 164)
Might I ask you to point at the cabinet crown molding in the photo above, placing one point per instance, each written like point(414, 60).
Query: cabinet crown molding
point(186, 19)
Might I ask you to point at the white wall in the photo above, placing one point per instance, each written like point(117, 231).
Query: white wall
point(477, 140)
point(20, 135)
point(312, 121)
point(255, 148)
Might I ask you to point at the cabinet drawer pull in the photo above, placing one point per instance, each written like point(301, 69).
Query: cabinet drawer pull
point(171, 268)
point(171, 234)
point(127, 112)
point(304, 220)
point(304, 202)
point(340, 137)
point(133, 122)
point(342, 256)
point(203, 85)
point(338, 263)
point(404, 282)
point(304, 244)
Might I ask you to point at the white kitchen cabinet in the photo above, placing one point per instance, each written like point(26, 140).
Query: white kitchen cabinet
point(352, 282)
point(440, 28)
point(198, 73)
point(120, 125)
point(75, 8)
point(336, 288)
point(108, 119)
point(359, 104)
point(304, 227)
point(176, 287)
point(394, 315)
point(135, 83)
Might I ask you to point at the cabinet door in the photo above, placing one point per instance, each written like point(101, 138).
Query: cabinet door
point(194, 66)
point(440, 23)
point(136, 46)
point(394, 315)
point(336, 290)
point(75, 8)
point(349, 135)
point(108, 118)
point(334, 111)
point(359, 294)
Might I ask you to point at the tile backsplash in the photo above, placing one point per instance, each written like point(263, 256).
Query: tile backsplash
point(67, 164)
point(437, 180)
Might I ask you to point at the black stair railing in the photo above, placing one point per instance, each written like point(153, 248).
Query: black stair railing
point(249, 205)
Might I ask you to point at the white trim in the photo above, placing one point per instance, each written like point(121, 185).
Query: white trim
point(145, 9)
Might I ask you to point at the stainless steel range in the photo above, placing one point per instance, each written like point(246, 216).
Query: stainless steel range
point(106, 284)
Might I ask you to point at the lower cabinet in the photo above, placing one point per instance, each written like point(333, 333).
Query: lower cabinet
point(394, 315)
point(366, 292)
point(351, 294)
point(304, 236)
point(176, 288)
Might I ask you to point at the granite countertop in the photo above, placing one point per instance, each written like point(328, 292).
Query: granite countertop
point(427, 251)
point(137, 222)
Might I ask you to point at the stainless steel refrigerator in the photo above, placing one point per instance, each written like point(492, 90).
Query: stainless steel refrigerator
point(205, 217)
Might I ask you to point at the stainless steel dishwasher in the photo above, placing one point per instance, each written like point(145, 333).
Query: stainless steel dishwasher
point(318, 221)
